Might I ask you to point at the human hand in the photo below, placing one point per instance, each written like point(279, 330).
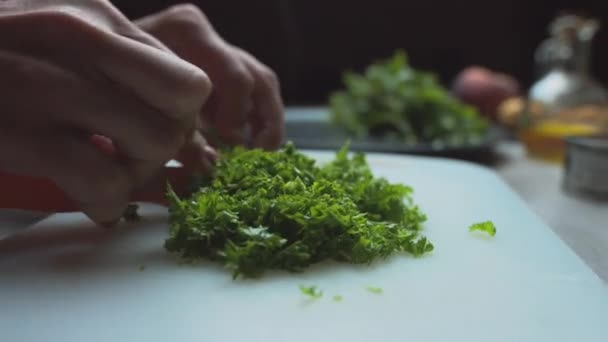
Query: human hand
point(245, 106)
point(76, 69)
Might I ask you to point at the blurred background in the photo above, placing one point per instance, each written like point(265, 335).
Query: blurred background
point(310, 42)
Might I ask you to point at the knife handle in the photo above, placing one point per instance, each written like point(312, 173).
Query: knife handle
point(43, 195)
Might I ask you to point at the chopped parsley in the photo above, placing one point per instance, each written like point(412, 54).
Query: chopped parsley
point(311, 291)
point(392, 100)
point(337, 298)
point(486, 227)
point(374, 289)
point(279, 210)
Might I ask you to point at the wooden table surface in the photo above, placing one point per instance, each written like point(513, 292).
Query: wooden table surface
point(582, 224)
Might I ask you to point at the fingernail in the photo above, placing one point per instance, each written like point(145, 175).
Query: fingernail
point(104, 144)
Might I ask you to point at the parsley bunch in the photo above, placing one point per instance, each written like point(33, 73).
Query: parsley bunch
point(279, 210)
point(392, 100)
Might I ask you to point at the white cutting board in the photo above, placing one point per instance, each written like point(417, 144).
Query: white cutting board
point(67, 281)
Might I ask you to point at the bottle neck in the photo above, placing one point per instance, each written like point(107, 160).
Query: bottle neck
point(581, 57)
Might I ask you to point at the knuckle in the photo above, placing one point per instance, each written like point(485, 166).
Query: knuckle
point(269, 78)
point(186, 18)
point(104, 5)
point(62, 18)
point(239, 80)
point(65, 24)
point(193, 90)
point(187, 12)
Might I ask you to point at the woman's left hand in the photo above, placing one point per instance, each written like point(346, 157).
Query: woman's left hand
point(245, 106)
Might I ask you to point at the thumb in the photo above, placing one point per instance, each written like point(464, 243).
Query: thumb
point(197, 158)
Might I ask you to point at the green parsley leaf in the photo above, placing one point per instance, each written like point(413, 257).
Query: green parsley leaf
point(279, 210)
point(374, 289)
point(337, 298)
point(131, 214)
point(487, 227)
point(311, 291)
point(392, 100)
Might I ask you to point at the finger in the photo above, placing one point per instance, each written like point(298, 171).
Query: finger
point(155, 191)
point(99, 185)
point(134, 33)
point(197, 159)
point(184, 21)
point(111, 18)
point(140, 170)
point(266, 119)
point(145, 139)
point(230, 102)
point(166, 82)
point(197, 156)
point(23, 160)
point(160, 79)
point(140, 132)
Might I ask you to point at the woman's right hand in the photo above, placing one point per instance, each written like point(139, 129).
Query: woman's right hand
point(72, 69)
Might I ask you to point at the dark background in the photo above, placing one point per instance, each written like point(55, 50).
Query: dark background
point(310, 42)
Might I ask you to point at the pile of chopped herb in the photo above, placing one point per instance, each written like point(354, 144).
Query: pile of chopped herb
point(392, 100)
point(311, 292)
point(279, 210)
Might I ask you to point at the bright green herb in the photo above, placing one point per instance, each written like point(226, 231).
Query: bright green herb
point(394, 101)
point(374, 289)
point(311, 291)
point(278, 210)
point(337, 298)
point(487, 227)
